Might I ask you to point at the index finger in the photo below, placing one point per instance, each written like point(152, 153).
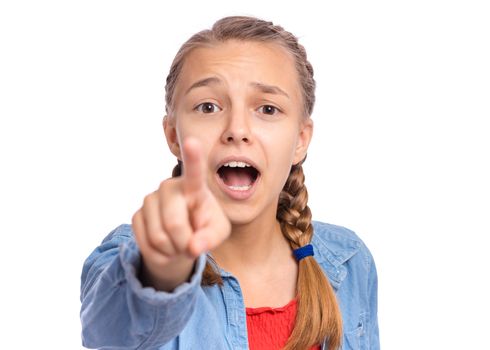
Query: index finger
point(194, 168)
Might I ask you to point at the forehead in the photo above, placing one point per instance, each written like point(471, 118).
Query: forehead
point(242, 62)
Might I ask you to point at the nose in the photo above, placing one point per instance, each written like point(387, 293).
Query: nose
point(237, 129)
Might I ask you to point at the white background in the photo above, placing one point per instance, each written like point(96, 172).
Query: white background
point(400, 152)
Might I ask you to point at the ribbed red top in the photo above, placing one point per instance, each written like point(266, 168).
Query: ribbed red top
point(269, 328)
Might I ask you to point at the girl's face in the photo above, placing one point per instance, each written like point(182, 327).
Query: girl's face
point(243, 101)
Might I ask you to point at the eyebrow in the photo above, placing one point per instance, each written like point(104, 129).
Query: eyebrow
point(267, 89)
point(204, 82)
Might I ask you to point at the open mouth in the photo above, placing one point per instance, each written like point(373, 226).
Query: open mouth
point(238, 176)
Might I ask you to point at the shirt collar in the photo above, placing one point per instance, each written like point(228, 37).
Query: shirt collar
point(331, 248)
point(331, 245)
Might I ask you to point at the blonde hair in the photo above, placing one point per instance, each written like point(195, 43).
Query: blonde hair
point(318, 316)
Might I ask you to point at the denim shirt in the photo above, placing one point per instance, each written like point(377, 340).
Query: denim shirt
point(118, 313)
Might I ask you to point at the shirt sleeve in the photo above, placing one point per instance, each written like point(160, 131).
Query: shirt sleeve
point(117, 312)
point(373, 329)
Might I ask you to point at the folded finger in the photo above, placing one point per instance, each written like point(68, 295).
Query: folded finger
point(175, 222)
point(156, 236)
point(147, 251)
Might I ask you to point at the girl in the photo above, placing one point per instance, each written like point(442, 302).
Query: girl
point(224, 255)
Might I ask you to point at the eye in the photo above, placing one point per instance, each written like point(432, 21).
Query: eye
point(207, 107)
point(269, 110)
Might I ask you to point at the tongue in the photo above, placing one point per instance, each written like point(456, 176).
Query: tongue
point(236, 177)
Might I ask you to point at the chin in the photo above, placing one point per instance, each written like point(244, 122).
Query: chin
point(240, 216)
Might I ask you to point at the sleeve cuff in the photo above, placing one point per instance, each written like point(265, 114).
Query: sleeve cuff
point(131, 260)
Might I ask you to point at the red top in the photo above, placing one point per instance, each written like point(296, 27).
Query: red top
point(269, 328)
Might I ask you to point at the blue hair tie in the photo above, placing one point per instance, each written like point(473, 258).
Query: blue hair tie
point(303, 252)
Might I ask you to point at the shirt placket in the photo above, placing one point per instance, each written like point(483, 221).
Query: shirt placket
point(236, 317)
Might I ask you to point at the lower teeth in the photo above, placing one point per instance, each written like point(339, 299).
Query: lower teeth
point(240, 188)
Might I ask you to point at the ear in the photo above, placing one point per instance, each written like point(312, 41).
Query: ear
point(304, 138)
point(171, 136)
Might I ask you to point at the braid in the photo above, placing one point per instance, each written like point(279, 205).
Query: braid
point(317, 305)
point(293, 212)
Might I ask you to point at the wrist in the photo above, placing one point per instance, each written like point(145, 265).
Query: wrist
point(167, 278)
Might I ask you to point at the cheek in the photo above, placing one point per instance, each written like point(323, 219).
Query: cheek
point(280, 145)
point(279, 148)
point(204, 132)
point(205, 135)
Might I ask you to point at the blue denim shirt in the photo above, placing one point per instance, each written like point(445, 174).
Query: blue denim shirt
point(118, 313)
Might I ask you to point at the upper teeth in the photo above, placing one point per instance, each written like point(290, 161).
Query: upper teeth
point(237, 164)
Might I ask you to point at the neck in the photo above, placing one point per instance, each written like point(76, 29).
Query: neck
point(260, 257)
point(256, 246)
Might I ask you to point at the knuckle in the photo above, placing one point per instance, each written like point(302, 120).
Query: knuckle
point(135, 219)
point(167, 191)
point(157, 237)
point(148, 200)
point(164, 185)
point(173, 223)
point(137, 223)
